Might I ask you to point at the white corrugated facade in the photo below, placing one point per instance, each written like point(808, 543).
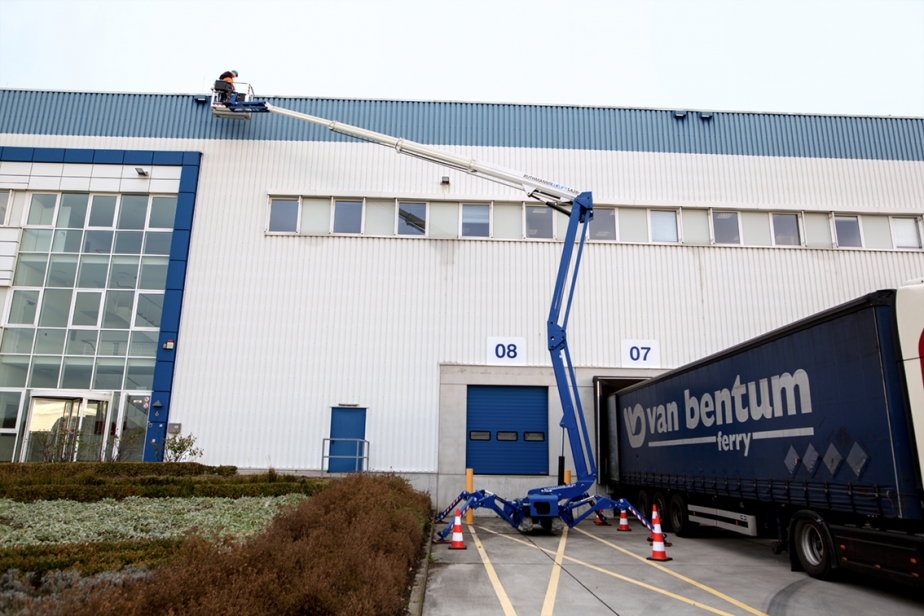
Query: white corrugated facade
point(276, 330)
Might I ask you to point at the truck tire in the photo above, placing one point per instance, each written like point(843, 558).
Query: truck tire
point(679, 516)
point(643, 503)
point(659, 499)
point(813, 548)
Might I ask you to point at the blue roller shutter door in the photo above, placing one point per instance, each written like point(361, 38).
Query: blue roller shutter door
point(494, 411)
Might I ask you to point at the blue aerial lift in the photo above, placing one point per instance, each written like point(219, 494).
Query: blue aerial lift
point(550, 506)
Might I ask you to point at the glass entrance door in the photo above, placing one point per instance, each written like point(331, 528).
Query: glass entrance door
point(65, 429)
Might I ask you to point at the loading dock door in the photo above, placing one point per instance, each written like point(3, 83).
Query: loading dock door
point(507, 430)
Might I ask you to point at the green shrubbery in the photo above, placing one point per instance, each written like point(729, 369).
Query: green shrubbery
point(90, 482)
point(347, 550)
point(88, 558)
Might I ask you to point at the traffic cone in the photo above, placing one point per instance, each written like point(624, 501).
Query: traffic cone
point(657, 543)
point(600, 520)
point(623, 521)
point(458, 543)
point(656, 520)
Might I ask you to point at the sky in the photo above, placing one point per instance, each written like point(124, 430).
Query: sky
point(851, 57)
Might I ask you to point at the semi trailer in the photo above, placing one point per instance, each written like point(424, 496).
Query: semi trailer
point(812, 433)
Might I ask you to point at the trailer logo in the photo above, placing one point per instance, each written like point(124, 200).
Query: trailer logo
point(635, 416)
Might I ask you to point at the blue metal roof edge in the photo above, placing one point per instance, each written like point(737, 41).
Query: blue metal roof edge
point(476, 124)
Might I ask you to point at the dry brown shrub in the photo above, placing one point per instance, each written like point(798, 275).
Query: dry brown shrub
point(347, 550)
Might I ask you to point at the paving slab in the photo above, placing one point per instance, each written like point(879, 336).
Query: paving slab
point(604, 571)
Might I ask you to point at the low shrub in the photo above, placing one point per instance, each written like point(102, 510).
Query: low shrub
point(88, 558)
point(40, 473)
point(347, 550)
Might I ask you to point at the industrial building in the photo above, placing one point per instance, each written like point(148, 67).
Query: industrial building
point(266, 285)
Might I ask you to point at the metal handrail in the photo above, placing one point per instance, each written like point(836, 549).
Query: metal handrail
point(360, 458)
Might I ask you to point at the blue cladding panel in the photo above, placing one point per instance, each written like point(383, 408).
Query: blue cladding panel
point(176, 274)
point(168, 158)
point(170, 317)
point(346, 423)
point(185, 204)
point(499, 125)
point(166, 355)
point(192, 158)
point(17, 154)
point(507, 409)
point(153, 451)
point(108, 157)
point(163, 376)
point(78, 156)
point(189, 179)
point(138, 157)
point(48, 155)
point(179, 245)
point(159, 413)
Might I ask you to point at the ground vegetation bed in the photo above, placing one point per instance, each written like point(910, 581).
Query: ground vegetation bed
point(324, 547)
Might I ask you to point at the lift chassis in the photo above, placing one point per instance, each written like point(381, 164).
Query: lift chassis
point(549, 506)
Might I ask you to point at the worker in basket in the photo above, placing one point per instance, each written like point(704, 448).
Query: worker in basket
point(224, 86)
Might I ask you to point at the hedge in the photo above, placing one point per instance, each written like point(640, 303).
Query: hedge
point(88, 558)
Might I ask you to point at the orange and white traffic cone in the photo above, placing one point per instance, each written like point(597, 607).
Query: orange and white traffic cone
point(458, 543)
point(623, 521)
point(600, 520)
point(657, 543)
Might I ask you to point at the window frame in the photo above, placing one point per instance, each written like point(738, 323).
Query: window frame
point(712, 237)
point(426, 204)
point(917, 220)
point(462, 204)
point(552, 231)
point(677, 227)
point(799, 229)
point(333, 216)
point(269, 215)
point(837, 243)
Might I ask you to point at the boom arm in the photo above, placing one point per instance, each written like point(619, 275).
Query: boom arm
point(555, 196)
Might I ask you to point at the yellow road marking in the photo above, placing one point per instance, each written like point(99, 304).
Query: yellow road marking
point(618, 576)
point(713, 591)
point(548, 606)
point(492, 575)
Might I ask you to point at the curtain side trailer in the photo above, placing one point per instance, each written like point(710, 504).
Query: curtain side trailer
point(812, 433)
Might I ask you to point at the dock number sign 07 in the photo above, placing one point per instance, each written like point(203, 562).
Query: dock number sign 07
point(504, 351)
point(641, 354)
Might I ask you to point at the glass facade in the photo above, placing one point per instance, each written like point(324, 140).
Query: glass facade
point(87, 297)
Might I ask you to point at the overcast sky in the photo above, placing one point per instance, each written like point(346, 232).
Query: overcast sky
point(863, 57)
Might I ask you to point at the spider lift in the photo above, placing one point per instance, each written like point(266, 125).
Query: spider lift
point(550, 506)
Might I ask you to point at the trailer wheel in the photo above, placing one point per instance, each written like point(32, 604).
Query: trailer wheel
point(643, 503)
point(813, 548)
point(679, 516)
point(659, 500)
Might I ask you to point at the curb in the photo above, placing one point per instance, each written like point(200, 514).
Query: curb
point(415, 606)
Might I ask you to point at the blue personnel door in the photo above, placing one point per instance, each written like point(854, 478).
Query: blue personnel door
point(347, 430)
point(506, 430)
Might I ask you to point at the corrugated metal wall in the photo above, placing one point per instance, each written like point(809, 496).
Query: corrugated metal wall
point(276, 330)
point(495, 125)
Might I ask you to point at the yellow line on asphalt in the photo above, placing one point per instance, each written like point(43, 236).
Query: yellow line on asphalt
point(492, 575)
point(715, 592)
point(548, 606)
point(618, 576)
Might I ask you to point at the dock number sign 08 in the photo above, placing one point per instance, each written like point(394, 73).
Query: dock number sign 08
point(641, 354)
point(503, 351)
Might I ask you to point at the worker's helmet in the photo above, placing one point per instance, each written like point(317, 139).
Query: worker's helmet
point(235, 73)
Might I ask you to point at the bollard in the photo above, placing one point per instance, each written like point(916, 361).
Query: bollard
point(469, 487)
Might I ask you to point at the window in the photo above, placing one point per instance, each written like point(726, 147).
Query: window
point(73, 211)
point(412, 219)
point(283, 216)
point(905, 233)
point(695, 227)
point(603, 225)
point(847, 231)
point(348, 216)
point(663, 226)
point(725, 228)
point(479, 435)
point(755, 229)
point(315, 217)
point(877, 233)
point(23, 308)
point(380, 217)
point(133, 211)
point(42, 210)
point(786, 230)
point(163, 213)
point(817, 230)
point(476, 220)
point(4, 204)
point(538, 222)
point(506, 436)
point(102, 211)
point(534, 437)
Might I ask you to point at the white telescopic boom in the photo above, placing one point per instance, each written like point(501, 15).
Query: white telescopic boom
point(535, 187)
